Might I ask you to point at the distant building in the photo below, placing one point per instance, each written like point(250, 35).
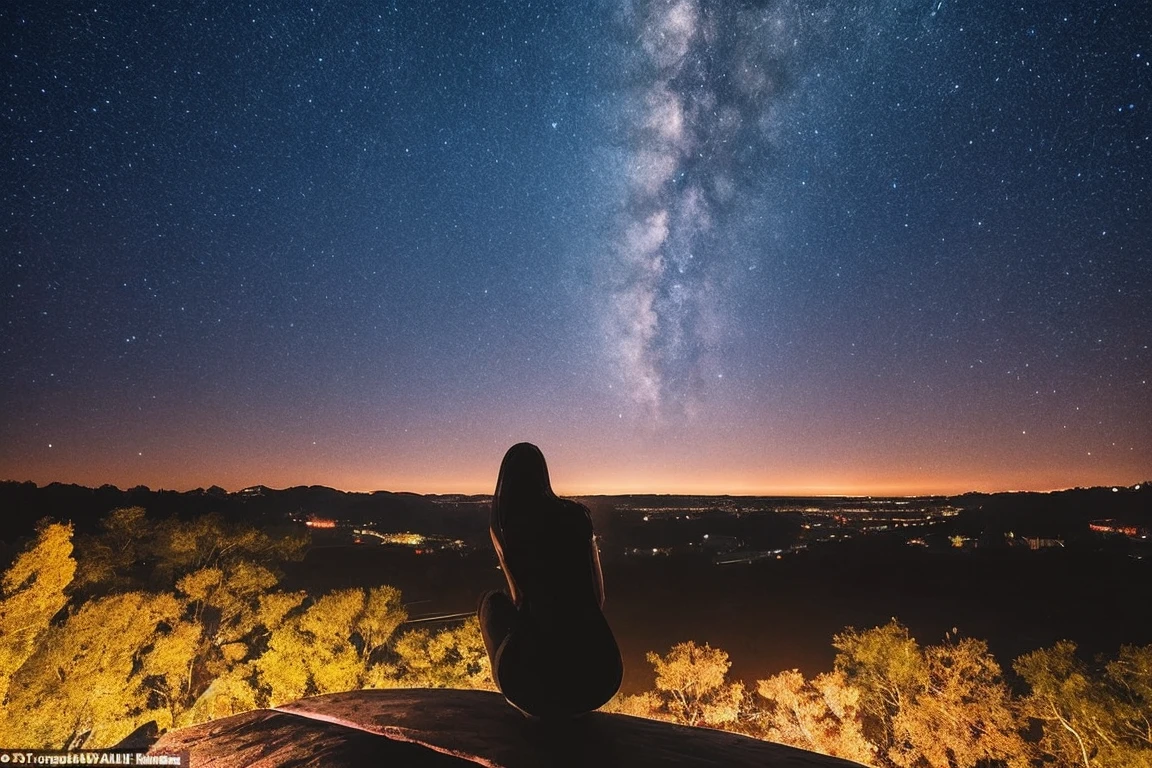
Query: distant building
point(319, 522)
point(1035, 543)
point(1114, 527)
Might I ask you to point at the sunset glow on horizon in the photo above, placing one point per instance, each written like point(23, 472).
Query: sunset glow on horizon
point(572, 476)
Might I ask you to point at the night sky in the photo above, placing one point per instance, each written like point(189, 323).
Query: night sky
point(690, 246)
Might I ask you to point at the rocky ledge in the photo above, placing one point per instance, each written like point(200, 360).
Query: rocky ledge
point(437, 727)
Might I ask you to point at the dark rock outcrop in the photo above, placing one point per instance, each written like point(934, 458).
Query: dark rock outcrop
point(427, 727)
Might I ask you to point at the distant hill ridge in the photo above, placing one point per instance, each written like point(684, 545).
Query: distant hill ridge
point(25, 503)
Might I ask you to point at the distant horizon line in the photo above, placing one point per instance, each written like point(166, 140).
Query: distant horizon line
point(805, 493)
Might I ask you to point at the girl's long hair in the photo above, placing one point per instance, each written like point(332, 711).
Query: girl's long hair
point(524, 475)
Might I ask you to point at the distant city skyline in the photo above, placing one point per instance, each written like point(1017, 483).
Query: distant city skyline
point(683, 246)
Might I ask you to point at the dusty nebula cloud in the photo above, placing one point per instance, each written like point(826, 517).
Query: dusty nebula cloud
point(707, 88)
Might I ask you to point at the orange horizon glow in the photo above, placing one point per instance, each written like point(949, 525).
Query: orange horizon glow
point(702, 462)
point(668, 487)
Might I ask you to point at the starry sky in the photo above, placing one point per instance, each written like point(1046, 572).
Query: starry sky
point(769, 246)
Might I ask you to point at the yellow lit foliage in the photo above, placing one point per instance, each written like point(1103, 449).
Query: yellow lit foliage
point(274, 606)
point(227, 599)
point(944, 705)
point(236, 687)
point(1129, 679)
point(1094, 718)
point(450, 658)
point(690, 683)
point(31, 593)
point(85, 685)
point(169, 670)
point(229, 694)
point(105, 559)
point(214, 637)
point(647, 704)
point(206, 541)
point(821, 715)
point(329, 646)
point(223, 643)
point(885, 665)
point(964, 717)
point(133, 552)
point(382, 615)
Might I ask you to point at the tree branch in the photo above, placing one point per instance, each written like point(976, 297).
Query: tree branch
point(1071, 730)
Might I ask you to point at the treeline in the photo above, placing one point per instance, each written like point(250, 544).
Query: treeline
point(893, 703)
point(158, 624)
point(25, 503)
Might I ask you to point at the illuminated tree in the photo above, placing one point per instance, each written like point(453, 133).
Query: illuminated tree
point(85, 685)
point(210, 541)
point(169, 672)
point(821, 715)
point(31, 593)
point(225, 601)
point(229, 694)
point(450, 658)
point(237, 689)
point(330, 645)
point(647, 704)
point(944, 705)
point(221, 642)
point(690, 681)
point(377, 622)
point(1129, 681)
point(1091, 718)
point(133, 552)
point(964, 717)
point(886, 667)
point(218, 628)
point(222, 572)
point(106, 560)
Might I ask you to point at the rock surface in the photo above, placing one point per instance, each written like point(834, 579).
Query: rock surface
point(430, 727)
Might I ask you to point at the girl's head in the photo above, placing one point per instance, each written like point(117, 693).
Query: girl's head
point(524, 474)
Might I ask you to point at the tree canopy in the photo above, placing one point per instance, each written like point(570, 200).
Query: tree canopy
point(32, 592)
point(176, 622)
point(1093, 715)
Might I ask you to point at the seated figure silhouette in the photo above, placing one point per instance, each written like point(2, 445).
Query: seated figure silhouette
point(553, 654)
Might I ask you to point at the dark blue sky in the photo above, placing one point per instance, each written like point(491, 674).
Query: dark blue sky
point(727, 247)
